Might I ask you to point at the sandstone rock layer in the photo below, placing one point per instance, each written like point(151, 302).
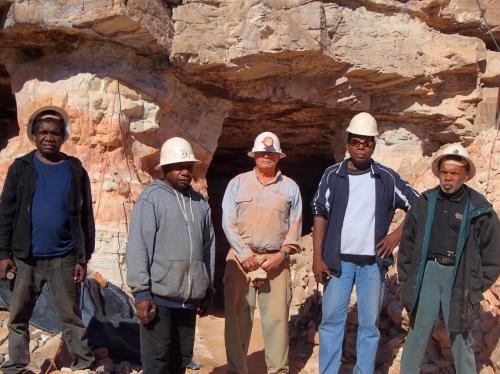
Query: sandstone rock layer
point(133, 73)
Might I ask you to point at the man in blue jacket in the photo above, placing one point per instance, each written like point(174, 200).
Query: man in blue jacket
point(47, 235)
point(353, 209)
point(170, 261)
point(449, 255)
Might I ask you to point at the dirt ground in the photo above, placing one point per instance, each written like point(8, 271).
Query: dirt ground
point(210, 350)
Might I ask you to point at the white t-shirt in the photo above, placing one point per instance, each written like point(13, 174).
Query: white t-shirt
point(358, 229)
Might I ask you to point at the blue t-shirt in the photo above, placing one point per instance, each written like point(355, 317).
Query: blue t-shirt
point(50, 215)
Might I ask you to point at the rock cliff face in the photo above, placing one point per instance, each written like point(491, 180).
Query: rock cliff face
point(133, 73)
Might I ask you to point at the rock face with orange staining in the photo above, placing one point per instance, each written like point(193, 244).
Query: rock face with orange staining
point(133, 73)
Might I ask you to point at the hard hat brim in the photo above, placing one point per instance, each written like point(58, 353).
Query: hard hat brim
point(435, 163)
point(252, 153)
point(194, 161)
point(363, 133)
point(62, 112)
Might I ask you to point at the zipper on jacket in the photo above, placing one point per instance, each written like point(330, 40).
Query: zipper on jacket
point(184, 212)
point(30, 202)
point(429, 219)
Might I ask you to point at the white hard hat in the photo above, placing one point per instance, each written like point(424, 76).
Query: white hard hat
point(266, 142)
point(455, 149)
point(59, 110)
point(176, 150)
point(363, 124)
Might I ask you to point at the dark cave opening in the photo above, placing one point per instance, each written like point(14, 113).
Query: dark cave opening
point(8, 111)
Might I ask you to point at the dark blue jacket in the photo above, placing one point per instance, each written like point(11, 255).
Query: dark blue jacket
point(330, 202)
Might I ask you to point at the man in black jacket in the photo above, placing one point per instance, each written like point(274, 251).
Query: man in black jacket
point(448, 257)
point(47, 235)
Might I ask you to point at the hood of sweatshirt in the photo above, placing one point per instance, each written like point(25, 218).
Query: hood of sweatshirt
point(173, 230)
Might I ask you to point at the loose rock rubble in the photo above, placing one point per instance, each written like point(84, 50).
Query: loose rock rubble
point(133, 73)
point(49, 354)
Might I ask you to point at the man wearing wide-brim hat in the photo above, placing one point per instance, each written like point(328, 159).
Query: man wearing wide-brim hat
point(448, 257)
point(46, 236)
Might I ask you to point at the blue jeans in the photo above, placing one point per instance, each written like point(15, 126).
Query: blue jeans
point(336, 297)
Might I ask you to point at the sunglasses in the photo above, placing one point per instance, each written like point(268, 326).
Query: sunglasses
point(358, 143)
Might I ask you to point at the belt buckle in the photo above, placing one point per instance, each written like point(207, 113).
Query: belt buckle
point(442, 260)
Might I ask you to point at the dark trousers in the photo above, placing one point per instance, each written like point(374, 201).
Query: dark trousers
point(32, 274)
point(167, 342)
point(435, 295)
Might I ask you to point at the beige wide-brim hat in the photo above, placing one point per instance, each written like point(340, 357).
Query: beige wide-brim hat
point(57, 109)
point(454, 150)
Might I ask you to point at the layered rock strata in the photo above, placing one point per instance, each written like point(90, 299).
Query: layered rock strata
point(133, 73)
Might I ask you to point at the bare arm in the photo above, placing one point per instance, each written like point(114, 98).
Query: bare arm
point(319, 266)
point(390, 241)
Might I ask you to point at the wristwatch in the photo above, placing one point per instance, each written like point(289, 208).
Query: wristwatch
point(284, 253)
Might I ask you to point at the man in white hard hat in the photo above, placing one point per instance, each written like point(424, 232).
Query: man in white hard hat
point(353, 209)
point(46, 236)
point(262, 220)
point(448, 257)
point(170, 261)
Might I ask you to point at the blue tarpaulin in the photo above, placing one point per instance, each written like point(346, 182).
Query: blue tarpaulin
point(107, 312)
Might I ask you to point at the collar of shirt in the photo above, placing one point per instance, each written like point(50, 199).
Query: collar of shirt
point(455, 197)
point(274, 180)
point(358, 172)
point(343, 170)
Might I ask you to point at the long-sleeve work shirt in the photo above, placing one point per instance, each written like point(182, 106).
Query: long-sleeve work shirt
point(259, 218)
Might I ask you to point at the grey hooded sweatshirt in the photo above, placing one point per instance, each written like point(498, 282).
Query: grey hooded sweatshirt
point(171, 246)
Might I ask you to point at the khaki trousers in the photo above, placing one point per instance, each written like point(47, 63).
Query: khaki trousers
point(274, 297)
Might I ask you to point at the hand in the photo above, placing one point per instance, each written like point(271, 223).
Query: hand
point(142, 310)
point(6, 266)
point(387, 245)
point(80, 273)
point(250, 264)
point(206, 304)
point(273, 261)
point(257, 283)
point(320, 268)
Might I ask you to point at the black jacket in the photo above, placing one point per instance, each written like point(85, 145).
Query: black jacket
point(477, 264)
point(15, 209)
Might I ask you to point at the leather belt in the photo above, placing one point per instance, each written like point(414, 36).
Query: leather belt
point(442, 260)
point(260, 251)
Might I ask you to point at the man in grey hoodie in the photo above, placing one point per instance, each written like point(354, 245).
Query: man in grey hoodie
point(170, 261)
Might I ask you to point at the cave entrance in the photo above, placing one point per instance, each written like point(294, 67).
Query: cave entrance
point(309, 152)
point(8, 112)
